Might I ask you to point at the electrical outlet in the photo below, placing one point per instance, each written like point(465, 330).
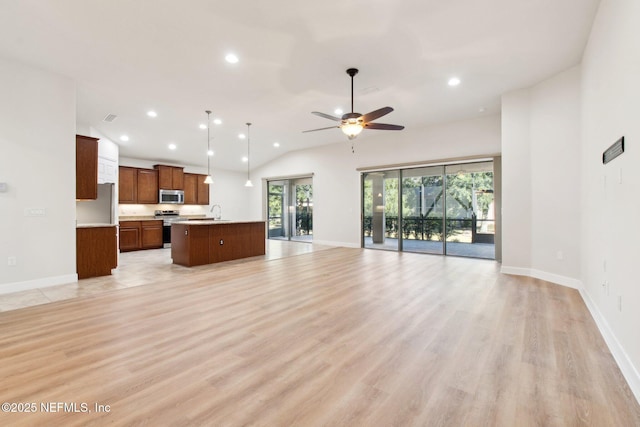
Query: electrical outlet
point(559, 256)
point(11, 261)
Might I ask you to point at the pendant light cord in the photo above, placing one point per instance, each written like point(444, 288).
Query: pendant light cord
point(208, 143)
point(248, 151)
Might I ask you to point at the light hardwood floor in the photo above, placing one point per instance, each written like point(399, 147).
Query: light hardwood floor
point(340, 337)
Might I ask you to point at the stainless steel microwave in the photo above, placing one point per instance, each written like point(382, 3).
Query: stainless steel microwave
point(171, 196)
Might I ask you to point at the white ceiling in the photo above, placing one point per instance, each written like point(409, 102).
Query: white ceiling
point(130, 56)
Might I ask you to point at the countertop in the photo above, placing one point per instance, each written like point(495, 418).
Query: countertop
point(139, 218)
point(95, 225)
point(213, 222)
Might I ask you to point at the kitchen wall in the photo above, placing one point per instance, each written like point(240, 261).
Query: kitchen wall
point(227, 190)
point(99, 211)
point(37, 161)
point(336, 180)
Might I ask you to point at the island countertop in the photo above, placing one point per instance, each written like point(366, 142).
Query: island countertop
point(214, 222)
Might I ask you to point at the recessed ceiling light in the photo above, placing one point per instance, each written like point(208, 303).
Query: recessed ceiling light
point(152, 114)
point(124, 138)
point(481, 110)
point(244, 159)
point(217, 121)
point(453, 81)
point(276, 144)
point(231, 58)
point(242, 136)
point(338, 111)
point(210, 153)
point(172, 146)
point(202, 126)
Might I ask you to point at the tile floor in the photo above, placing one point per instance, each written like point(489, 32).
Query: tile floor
point(137, 269)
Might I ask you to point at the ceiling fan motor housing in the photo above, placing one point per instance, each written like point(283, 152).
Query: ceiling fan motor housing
point(348, 116)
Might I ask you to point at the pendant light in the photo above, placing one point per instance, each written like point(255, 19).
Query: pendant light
point(248, 183)
point(208, 179)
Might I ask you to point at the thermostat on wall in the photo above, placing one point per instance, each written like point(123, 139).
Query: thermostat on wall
point(3, 187)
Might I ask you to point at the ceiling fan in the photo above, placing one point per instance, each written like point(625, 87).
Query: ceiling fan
point(353, 123)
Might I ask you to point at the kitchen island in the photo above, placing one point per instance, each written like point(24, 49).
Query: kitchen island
point(202, 242)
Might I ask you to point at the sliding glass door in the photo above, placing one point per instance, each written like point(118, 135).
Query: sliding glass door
point(470, 225)
point(290, 209)
point(422, 210)
point(445, 209)
point(380, 210)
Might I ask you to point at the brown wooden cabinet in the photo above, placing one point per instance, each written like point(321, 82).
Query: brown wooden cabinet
point(151, 234)
point(203, 191)
point(137, 185)
point(96, 251)
point(170, 177)
point(86, 168)
point(196, 192)
point(127, 185)
point(209, 242)
point(136, 235)
point(147, 186)
point(130, 236)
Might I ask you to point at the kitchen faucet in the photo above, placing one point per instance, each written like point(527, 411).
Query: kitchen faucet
point(218, 214)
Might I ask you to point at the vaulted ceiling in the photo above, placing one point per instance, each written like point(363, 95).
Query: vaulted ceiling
point(129, 57)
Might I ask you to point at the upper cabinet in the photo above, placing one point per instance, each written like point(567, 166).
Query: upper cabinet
point(147, 186)
point(137, 185)
point(86, 168)
point(127, 185)
point(196, 192)
point(170, 177)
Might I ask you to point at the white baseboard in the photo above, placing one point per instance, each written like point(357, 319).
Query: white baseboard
point(625, 364)
point(629, 371)
point(8, 288)
point(340, 244)
point(543, 275)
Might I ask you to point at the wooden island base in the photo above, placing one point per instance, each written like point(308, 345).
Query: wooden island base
point(205, 242)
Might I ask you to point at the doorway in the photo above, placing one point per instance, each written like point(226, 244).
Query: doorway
point(290, 209)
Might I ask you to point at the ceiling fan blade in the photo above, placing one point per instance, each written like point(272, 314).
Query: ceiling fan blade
point(327, 116)
point(313, 130)
point(369, 117)
point(383, 126)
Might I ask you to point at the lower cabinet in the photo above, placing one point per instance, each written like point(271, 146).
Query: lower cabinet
point(207, 242)
point(96, 251)
point(137, 235)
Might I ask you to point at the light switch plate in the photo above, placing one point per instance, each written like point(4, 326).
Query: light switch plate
point(3, 187)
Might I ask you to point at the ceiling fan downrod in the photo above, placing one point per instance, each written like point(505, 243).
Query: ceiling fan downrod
point(352, 72)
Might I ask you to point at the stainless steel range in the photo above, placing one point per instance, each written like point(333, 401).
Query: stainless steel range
point(167, 217)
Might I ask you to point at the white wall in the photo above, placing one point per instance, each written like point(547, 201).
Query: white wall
point(611, 210)
point(37, 161)
point(227, 190)
point(516, 182)
point(336, 181)
point(541, 179)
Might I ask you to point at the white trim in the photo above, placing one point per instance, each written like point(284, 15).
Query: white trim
point(7, 288)
point(625, 364)
point(543, 275)
point(340, 244)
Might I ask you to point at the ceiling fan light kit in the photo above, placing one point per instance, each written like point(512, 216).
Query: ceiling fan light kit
point(353, 123)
